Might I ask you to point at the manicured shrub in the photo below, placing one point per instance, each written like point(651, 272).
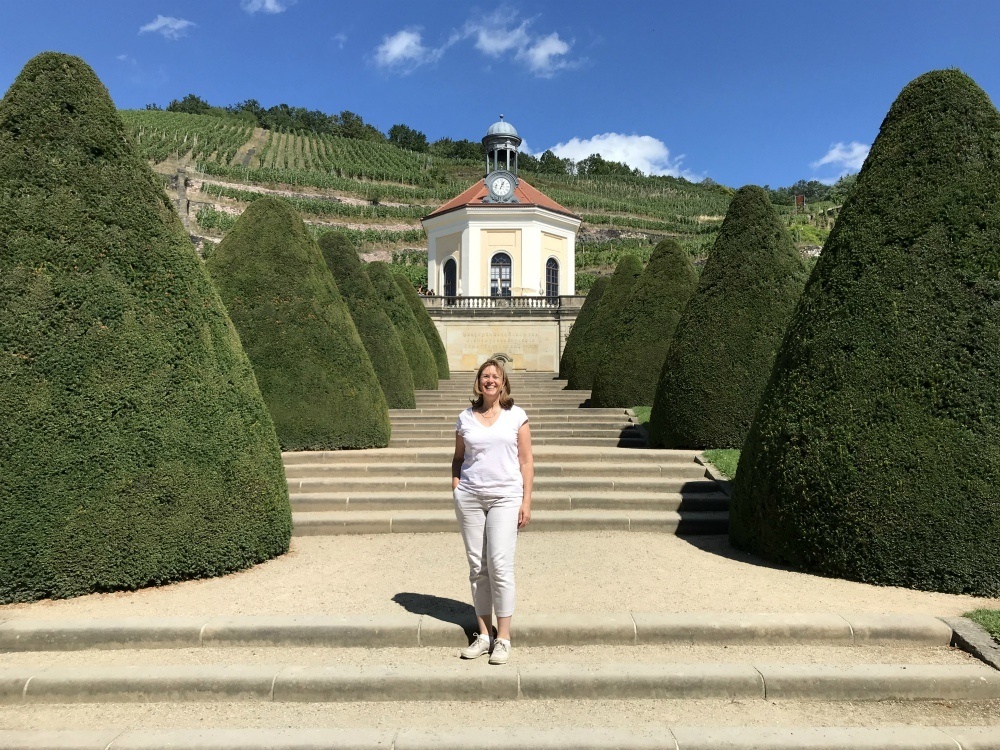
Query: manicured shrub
point(640, 333)
point(724, 346)
point(316, 377)
point(427, 326)
point(135, 448)
point(873, 455)
point(418, 351)
point(593, 342)
point(374, 326)
point(567, 362)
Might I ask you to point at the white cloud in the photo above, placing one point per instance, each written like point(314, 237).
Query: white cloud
point(643, 152)
point(265, 6)
point(498, 36)
point(846, 158)
point(169, 27)
point(340, 39)
point(405, 51)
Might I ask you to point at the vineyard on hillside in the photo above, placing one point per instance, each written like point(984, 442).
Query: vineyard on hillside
point(378, 192)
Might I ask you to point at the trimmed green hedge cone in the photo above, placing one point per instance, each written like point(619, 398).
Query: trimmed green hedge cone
point(418, 351)
point(135, 448)
point(567, 362)
point(724, 347)
point(427, 326)
point(873, 455)
point(316, 377)
point(374, 327)
point(590, 350)
point(639, 335)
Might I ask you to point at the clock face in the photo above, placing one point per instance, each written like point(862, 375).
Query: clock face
point(501, 186)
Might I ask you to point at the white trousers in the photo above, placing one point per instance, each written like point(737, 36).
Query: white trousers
point(489, 530)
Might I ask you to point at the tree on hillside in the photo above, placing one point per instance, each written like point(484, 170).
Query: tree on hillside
point(374, 326)
point(462, 149)
point(724, 346)
point(418, 351)
point(427, 326)
point(640, 333)
point(567, 362)
point(313, 370)
point(190, 104)
point(406, 137)
point(873, 453)
point(135, 448)
point(590, 349)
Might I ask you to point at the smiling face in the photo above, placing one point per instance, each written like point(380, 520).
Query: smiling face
point(491, 385)
point(490, 382)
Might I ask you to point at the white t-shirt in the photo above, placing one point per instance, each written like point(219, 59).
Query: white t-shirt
point(490, 466)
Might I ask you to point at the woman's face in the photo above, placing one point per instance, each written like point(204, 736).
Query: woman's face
point(490, 382)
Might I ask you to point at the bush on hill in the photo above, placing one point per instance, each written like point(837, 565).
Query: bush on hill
point(590, 350)
point(724, 347)
point(567, 362)
point(639, 335)
point(135, 448)
point(374, 326)
point(418, 351)
point(313, 370)
point(873, 454)
point(427, 326)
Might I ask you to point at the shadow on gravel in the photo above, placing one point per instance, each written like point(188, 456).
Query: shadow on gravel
point(440, 608)
point(719, 545)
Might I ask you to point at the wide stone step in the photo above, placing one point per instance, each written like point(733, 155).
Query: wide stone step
point(576, 419)
point(657, 737)
point(547, 432)
point(545, 500)
point(446, 412)
point(688, 470)
point(457, 681)
point(442, 455)
point(404, 630)
point(329, 523)
point(442, 484)
point(574, 440)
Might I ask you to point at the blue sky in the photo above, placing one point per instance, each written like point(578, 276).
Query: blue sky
point(737, 90)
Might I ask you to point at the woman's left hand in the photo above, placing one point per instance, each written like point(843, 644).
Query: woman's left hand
point(523, 516)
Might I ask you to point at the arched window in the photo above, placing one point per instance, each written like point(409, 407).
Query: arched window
point(500, 273)
point(551, 278)
point(450, 278)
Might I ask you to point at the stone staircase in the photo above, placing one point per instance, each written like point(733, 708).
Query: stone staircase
point(367, 672)
point(584, 479)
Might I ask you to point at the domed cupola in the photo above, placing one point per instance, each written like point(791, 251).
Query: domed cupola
point(501, 142)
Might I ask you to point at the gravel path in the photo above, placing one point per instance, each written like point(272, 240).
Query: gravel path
point(565, 572)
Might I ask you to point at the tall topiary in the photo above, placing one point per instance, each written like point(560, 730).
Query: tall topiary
point(567, 362)
point(725, 344)
point(427, 326)
point(873, 455)
point(639, 335)
point(418, 351)
point(591, 347)
point(316, 377)
point(374, 327)
point(135, 448)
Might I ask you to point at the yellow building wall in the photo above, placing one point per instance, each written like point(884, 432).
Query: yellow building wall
point(554, 246)
point(494, 241)
point(449, 246)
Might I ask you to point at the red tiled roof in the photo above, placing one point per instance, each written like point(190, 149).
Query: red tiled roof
point(525, 194)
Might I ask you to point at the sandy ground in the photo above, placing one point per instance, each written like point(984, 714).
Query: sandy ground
point(557, 572)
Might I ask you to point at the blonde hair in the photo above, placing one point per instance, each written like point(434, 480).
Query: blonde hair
point(505, 399)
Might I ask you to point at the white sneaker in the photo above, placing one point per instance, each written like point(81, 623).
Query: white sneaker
point(478, 647)
point(501, 651)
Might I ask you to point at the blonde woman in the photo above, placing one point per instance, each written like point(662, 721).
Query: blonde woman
point(491, 477)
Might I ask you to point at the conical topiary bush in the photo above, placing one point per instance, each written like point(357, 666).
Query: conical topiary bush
point(567, 362)
point(374, 327)
point(726, 341)
point(316, 377)
point(591, 347)
point(641, 332)
point(427, 326)
point(418, 351)
point(873, 455)
point(135, 448)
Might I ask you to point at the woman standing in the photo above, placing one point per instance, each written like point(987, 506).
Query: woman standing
point(491, 477)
